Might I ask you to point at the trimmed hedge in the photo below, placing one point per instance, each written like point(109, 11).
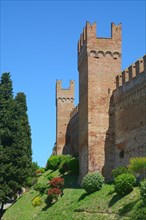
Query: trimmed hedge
point(92, 182)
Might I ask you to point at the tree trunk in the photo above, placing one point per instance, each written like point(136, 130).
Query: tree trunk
point(1, 209)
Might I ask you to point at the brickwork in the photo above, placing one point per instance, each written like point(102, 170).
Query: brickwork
point(108, 127)
point(64, 106)
point(99, 61)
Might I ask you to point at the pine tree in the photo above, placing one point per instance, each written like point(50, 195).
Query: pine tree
point(22, 144)
point(15, 141)
point(7, 128)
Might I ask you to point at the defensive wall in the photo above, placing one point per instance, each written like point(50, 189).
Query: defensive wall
point(108, 127)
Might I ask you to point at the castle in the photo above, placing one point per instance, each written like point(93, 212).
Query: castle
point(108, 127)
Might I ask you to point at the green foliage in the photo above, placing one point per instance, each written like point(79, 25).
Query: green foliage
point(92, 182)
point(124, 183)
point(65, 159)
point(40, 187)
point(50, 176)
point(31, 181)
point(15, 141)
point(120, 170)
point(73, 166)
point(53, 162)
point(139, 214)
point(39, 171)
point(138, 165)
point(143, 190)
point(36, 201)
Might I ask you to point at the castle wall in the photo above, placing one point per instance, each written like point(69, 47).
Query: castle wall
point(64, 106)
point(130, 113)
point(72, 134)
point(99, 61)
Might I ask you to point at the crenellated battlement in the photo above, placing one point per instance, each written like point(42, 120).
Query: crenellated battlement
point(74, 112)
point(65, 95)
point(100, 45)
point(132, 72)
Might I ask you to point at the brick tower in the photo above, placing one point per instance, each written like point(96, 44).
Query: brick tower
point(64, 106)
point(99, 61)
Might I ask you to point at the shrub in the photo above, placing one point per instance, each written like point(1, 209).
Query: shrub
point(124, 183)
point(65, 159)
point(53, 162)
point(73, 166)
point(54, 193)
point(36, 201)
point(40, 187)
point(143, 190)
point(50, 176)
point(139, 214)
point(31, 181)
point(120, 170)
point(92, 182)
point(56, 182)
point(138, 166)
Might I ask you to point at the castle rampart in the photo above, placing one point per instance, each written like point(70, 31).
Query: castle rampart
point(64, 106)
point(108, 127)
point(130, 113)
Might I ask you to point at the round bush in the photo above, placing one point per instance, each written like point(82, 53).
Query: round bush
point(53, 162)
point(124, 183)
point(120, 170)
point(92, 182)
point(40, 187)
point(143, 190)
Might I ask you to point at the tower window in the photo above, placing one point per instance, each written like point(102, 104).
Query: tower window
point(121, 154)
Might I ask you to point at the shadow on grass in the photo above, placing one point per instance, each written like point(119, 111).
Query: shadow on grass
point(127, 208)
point(83, 196)
point(70, 181)
point(114, 199)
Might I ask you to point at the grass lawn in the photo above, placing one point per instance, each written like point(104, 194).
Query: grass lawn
point(76, 204)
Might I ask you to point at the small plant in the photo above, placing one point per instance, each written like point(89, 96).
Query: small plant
point(65, 159)
point(138, 166)
point(120, 170)
point(36, 201)
point(124, 183)
point(92, 182)
point(39, 171)
point(143, 190)
point(50, 176)
point(56, 182)
point(53, 194)
point(53, 162)
point(40, 187)
point(73, 166)
point(31, 181)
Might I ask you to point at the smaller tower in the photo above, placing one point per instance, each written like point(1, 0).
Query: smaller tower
point(64, 106)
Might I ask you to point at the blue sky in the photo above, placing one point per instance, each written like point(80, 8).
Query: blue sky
point(39, 45)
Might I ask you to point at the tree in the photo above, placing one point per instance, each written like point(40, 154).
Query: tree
point(7, 128)
point(22, 143)
point(15, 141)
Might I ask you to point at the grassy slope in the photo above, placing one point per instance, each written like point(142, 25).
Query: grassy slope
point(75, 204)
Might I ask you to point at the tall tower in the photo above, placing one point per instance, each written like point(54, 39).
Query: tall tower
point(64, 106)
point(99, 61)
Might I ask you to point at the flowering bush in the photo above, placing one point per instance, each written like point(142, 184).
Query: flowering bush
point(36, 201)
point(54, 193)
point(56, 182)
